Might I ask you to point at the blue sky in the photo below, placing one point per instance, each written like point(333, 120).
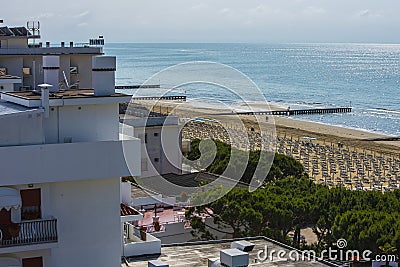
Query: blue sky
point(366, 21)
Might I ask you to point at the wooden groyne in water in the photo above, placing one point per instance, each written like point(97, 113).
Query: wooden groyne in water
point(168, 98)
point(130, 87)
point(293, 112)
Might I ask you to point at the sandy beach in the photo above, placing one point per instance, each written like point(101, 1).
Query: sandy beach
point(331, 155)
point(289, 127)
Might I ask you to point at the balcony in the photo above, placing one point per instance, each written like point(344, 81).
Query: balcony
point(29, 233)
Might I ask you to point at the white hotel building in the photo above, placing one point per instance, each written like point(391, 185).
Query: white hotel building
point(60, 155)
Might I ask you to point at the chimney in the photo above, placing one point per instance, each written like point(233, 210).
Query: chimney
point(103, 75)
point(51, 71)
point(45, 99)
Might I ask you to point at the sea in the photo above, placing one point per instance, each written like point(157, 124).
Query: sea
point(363, 76)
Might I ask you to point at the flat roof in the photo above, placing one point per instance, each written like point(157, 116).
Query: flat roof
point(7, 108)
point(64, 98)
point(64, 94)
point(137, 192)
point(197, 254)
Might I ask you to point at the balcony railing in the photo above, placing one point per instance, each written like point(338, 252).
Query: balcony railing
point(29, 233)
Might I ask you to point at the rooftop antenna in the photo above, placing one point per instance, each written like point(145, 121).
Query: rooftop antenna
point(67, 84)
point(34, 27)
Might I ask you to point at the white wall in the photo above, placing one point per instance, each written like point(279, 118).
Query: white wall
point(174, 233)
point(151, 246)
point(88, 214)
point(69, 162)
point(21, 130)
point(170, 143)
point(82, 123)
point(126, 193)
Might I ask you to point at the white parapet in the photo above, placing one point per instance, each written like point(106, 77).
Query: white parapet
point(103, 77)
point(69, 162)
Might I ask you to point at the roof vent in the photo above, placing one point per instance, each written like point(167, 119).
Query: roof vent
point(234, 258)
point(243, 245)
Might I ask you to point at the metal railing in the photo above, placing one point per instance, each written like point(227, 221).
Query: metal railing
point(30, 233)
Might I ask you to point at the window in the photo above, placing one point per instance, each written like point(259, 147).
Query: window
point(32, 262)
point(5, 220)
point(31, 204)
point(26, 71)
point(5, 217)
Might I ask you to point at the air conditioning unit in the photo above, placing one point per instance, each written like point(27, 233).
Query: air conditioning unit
point(234, 258)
